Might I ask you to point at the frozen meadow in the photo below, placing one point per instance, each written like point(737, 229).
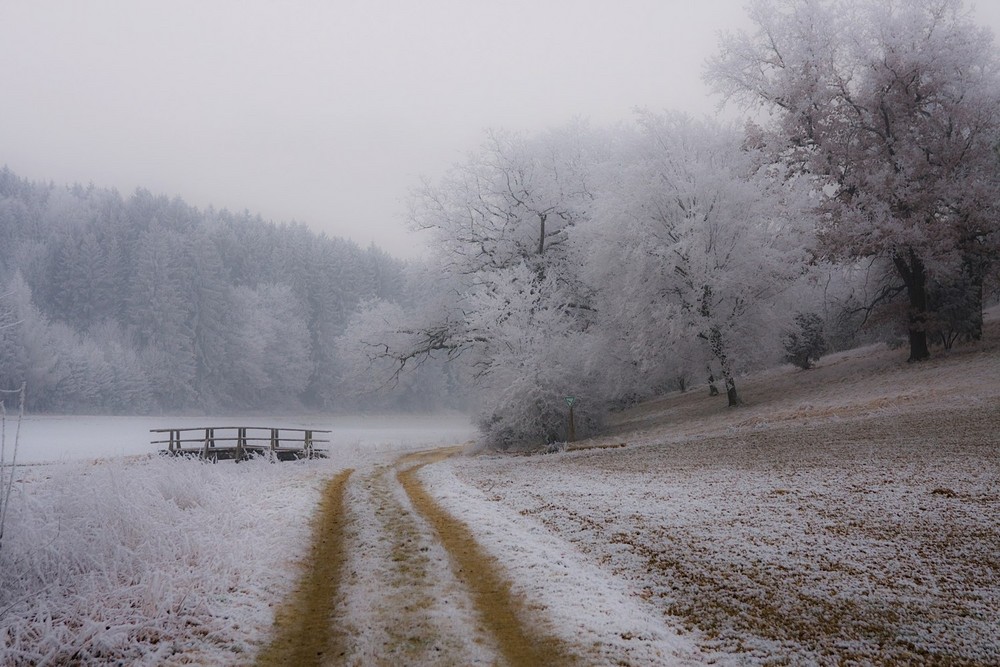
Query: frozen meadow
point(112, 553)
point(850, 513)
point(846, 514)
point(53, 439)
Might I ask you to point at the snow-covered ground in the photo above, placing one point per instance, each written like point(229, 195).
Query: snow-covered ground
point(52, 438)
point(111, 559)
point(848, 514)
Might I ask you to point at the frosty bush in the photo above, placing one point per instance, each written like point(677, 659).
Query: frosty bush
point(533, 412)
point(806, 344)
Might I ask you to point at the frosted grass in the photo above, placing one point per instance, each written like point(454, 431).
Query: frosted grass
point(160, 561)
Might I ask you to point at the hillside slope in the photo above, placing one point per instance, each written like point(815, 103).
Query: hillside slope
point(846, 513)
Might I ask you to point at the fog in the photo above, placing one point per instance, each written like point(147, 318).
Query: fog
point(324, 113)
point(175, 297)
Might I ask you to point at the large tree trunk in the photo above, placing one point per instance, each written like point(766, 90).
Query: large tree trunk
point(714, 337)
point(719, 350)
point(712, 389)
point(541, 233)
point(734, 398)
point(977, 314)
point(911, 270)
point(975, 268)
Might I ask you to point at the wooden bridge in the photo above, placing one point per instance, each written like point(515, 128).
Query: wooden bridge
point(216, 443)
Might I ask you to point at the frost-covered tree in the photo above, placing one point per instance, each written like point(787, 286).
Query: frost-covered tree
point(698, 244)
point(543, 349)
point(269, 354)
point(893, 107)
point(30, 348)
point(159, 310)
point(804, 343)
point(513, 201)
point(132, 301)
point(506, 292)
point(369, 380)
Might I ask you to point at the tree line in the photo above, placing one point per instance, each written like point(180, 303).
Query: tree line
point(144, 303)
point(858, 202)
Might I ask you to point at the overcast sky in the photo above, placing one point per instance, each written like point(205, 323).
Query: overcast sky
point(328, 112)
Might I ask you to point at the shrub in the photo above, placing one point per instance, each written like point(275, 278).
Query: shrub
point(806, 344)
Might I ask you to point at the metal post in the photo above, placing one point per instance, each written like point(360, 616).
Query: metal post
point(571, 426)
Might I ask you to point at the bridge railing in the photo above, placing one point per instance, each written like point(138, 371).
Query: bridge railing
point(240, 442)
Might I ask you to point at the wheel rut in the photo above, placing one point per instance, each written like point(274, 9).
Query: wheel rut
point(504, 613)
point(402, 605)
point(394, 579)
point(304, 633)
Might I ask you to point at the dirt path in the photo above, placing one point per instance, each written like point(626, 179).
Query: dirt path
point(304, 632)
point(393, 579)
point(401, 603)
point(503, 613)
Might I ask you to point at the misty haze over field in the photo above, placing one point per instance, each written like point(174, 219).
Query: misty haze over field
point(646, 332)
point(581, 249)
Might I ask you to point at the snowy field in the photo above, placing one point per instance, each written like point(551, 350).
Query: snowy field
point(143, 560)
point(48, 438)
point(847, 514)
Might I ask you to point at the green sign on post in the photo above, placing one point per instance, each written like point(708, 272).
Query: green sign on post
point(571, 426)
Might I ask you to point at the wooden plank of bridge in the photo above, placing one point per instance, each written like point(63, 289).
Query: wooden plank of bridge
point(238, 444)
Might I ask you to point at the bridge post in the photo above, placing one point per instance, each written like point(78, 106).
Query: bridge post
point(209, 443)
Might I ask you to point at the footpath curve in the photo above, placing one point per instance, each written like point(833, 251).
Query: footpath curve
point(501, 611)
point(320, 623)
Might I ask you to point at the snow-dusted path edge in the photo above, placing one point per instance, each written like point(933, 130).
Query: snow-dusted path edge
point(597, 614)
point(849, 514)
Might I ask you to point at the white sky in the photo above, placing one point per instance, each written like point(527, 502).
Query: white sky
point(328, 112)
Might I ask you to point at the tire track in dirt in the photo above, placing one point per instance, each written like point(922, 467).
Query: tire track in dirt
point(401, 603)
point(393, 579)
point(304, 632)
point(504, 613)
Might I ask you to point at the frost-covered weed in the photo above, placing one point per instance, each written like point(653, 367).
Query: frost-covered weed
point(139, 561)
